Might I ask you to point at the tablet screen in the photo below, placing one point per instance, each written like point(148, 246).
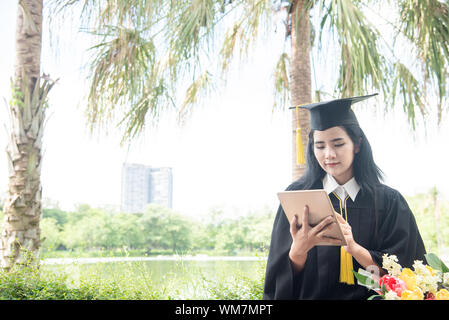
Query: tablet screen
point(320, 206)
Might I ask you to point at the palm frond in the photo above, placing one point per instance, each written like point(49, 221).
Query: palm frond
point(119, 71)
point(96, 14)
point(147, 48)
point(200, 87)
point(426, 25)
point(362, 65)
point(281, 81)
point(146, 108)
point(408, 87)
point(89, 10)
point(244, 32)
point(138, 13)
point(227, 50)
point(190, 26)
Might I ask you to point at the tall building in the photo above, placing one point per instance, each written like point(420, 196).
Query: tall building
point(142, 185)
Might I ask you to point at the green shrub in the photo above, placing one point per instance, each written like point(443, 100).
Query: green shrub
point(240, 287)
point(30, 283)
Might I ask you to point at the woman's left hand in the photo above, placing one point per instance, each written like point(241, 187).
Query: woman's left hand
point(351, 245)
point(359, 253)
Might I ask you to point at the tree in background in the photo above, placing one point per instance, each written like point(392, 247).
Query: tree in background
point(51, 235)
point(20, 239)
point(432, 214)
point(165, 228)
point(160, 230)
point(147, 49)
point(437, 216)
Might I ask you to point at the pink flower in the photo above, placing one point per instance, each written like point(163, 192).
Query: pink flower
point(430, 296)
point(393, 284)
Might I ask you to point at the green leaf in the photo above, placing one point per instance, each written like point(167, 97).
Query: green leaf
point(435, 262)
point(364, 280)
point(384, 288)
point(360, 278)
point(375, 296)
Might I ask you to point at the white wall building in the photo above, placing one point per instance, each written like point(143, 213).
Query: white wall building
point(142, 185)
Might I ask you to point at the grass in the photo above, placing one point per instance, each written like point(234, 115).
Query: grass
point(240, 287)
point(128, 282)
point(31, 283)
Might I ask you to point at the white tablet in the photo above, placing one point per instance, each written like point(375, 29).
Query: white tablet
point(320, 207)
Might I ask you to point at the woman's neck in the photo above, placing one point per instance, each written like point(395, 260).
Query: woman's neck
point(343, 180)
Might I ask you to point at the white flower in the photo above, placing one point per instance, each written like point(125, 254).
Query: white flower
point(424, 278)
point(391, 295)
point(390, 263)
point(420, 268)
point(446, 278)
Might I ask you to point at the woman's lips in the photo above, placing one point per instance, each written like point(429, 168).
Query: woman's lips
point(332, 164)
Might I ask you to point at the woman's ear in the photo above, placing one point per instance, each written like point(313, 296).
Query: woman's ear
point(357, 146)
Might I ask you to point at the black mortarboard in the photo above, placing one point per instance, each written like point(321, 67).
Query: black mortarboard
point(327, 114)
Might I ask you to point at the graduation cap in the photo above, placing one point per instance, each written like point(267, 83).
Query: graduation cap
point(327, 114)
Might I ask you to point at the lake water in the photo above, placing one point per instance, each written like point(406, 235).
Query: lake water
point(188, 277)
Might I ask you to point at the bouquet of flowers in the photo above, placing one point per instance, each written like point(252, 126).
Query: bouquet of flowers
point(424, 282)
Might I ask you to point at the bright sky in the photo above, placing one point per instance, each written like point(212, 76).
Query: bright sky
point(234, 151)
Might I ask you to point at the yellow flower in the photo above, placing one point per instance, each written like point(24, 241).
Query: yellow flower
point(432, 272)
point(409, 277)
point(443, 294)
point(415, 294)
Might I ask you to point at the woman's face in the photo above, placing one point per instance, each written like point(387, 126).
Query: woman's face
point(334, 150)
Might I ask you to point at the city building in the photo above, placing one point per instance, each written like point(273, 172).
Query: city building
point(142, 185)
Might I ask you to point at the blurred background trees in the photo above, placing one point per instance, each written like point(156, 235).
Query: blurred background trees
point(159, 230)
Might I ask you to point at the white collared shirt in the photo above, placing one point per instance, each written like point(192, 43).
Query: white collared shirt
point(350, 188)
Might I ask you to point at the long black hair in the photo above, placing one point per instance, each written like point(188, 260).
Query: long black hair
point(367, 174)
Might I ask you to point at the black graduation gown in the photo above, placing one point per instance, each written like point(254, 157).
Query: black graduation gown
point(397, 233)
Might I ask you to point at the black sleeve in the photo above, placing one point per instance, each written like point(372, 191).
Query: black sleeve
point(398, 232)
point(281, 281)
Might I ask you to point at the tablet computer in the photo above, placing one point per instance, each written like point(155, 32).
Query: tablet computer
point(320, 206)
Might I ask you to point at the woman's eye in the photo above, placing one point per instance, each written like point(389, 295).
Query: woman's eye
point(319, 147)
point(339, 145)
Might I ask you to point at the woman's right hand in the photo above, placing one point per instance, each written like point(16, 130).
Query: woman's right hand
point(306, 237)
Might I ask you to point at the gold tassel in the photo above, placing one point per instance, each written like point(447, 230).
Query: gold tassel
point(346, 275)
point(346, 266)
point(300, 158)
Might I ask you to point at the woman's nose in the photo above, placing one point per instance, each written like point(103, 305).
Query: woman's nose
point(330, 153)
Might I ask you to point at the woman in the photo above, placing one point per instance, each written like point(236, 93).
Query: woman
point(375, 219)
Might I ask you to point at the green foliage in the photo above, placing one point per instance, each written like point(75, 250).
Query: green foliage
point(52, 235)
point(281, 79)
point(249, 232)
point(146, 50)
point(160, 230)
point(361, 64)
point(164, 228)
point(58, 215)
point(426, 25)
point(30, 283)
point(436, 263)
point(157, 230)
point(240, 287)
point(130, 281)
point(143, 54)
point(431, 223)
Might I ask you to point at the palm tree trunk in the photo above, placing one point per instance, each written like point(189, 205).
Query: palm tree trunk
point(20, 239)
point(300, 76)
